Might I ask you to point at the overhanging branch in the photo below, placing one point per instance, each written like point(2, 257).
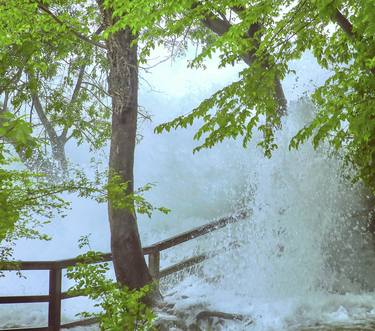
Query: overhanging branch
point(347, 27)
point(71, 29)
point(344, 24)
point(220, 27)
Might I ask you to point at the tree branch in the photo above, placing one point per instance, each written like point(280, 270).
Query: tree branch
point(73, 99)
point(220, 27)
point(71, 29)
point(77, 88)
point(5, 104)
point(97, 98)
point(57, 144)
point(344, 24)
point(216, 24)
point(347, 27)
point(97, 87)
point(43, 118)
point(78, 85)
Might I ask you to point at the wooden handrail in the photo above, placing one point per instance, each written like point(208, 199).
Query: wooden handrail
point(24, 299)
point(48, 265)
point(153, 251)
point(194, 233)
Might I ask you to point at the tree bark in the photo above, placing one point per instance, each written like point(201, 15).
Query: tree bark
point(129, 263)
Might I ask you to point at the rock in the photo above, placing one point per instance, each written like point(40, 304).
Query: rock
point(196, 317)
point(215, 320)
point(207, 314)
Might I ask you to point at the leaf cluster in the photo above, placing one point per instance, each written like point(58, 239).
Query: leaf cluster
point(120, 308)
point(117, 193)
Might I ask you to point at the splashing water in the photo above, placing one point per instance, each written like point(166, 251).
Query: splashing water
point(303, 257)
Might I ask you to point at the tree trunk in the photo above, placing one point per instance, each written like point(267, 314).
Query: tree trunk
point(129, 263)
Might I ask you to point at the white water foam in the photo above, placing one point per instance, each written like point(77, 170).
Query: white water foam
point(304, 258)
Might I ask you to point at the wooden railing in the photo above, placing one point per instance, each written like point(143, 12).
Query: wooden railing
point(55, 268)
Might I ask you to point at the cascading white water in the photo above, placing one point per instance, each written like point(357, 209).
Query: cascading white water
point(303, 247)
point(305, 257)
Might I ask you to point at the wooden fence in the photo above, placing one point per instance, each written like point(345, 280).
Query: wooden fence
point(55, 268)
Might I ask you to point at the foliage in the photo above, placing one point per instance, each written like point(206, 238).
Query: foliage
point(120, 308)
point(50, 74)
point(116, 191)
point(28, 201)
point(24, 197)
point(340, 33)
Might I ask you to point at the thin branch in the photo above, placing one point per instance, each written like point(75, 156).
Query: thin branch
point(299, 6)
point(97, 98)
point(31, 113)
point(5, 104)
point(167, 58)
point(70, 28)
point(15, 79)
point(102, 90)
point(74, 97)
point(43, 118)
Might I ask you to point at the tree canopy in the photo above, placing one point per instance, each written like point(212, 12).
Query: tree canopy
point(49, 73)
point(267, 35)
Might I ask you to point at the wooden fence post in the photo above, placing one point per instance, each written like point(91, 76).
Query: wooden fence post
point(54, 304)
point(154, 264)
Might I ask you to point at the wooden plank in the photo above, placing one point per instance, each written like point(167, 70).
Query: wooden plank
point(195, 260)
point(54, 307)
point(27, 329)
point(183, 265)
point(47, 265)
point(84, 322)
point(24, 299)
point(154, 264)
point(197, 232)
point(176, 267)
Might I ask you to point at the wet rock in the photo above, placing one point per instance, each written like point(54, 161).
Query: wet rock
point(197, 318)
point(215, 320)
point(219, 314)
point(168, 322)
